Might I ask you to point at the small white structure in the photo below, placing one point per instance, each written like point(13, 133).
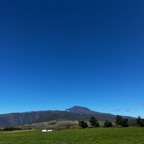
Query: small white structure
point(49, 130)
point(46, 130)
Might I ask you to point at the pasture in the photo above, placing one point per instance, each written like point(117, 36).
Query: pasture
point(75, 136)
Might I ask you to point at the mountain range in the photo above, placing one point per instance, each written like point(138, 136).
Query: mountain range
point(73, 113)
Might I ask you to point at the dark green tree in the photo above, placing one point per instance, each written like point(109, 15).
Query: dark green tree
point(93, 122)
point(124, 122)
point(121, 121)
point(83, 124)
point(140, 121)
point(118, 120)
point(107, 124)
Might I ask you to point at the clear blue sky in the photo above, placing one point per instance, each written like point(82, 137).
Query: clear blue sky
point(57, 54)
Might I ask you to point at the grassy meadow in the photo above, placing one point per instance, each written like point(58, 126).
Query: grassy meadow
point(75, 136)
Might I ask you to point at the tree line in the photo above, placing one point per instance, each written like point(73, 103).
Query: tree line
point(10, 129)
point(119, 121)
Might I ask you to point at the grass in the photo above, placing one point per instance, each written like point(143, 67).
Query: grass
point(76, 136)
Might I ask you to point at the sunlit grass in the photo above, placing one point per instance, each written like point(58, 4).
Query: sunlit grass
point(76, 136)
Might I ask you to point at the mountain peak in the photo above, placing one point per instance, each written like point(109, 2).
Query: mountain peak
point(80, 110)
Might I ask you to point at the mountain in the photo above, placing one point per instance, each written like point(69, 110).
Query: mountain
point(80, 110)
point(74, 113)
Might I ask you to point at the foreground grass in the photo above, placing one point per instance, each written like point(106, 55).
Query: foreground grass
point(76, 136)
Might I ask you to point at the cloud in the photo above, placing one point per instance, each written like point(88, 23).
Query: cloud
point(128, 110)
point(141, 103)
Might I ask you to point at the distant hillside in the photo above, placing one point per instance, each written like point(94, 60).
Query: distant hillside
point(74, 113)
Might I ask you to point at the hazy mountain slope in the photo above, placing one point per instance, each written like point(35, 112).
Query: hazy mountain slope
point(30, 117)
point(74, 113)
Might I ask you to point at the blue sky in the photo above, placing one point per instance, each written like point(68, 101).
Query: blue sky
point(57, 54)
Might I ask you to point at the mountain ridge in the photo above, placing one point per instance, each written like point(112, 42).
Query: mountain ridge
point(73, 113)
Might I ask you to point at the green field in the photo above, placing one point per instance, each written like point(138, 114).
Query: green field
point(76, 136)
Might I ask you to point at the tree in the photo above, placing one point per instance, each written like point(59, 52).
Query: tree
point(121, 121)
point(107, 124)
point(11, 129)
point(124, 122)
point(83, 124)
point(93, 122)
point(140, 121)
point(118, 120)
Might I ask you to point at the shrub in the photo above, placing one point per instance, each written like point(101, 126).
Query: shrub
point(107, 124)
point(93, 122)
point(83, 124)
point(11, 128)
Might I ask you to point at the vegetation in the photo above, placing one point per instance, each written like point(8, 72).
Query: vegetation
point(121, 121)
point(83, 124)
point(140, 121)
point(75, 136)
point(107, 124)
point(93, 122)
point(55, 125)
point(11, 129)
point(124, 122)
point(133, 135)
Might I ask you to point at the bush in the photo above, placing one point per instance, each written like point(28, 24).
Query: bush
point(121, 121)
point(140, 121)
point(124, 122)
point(83, 124)
point(11, 129)
point(107, 124)
point(93, 122)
